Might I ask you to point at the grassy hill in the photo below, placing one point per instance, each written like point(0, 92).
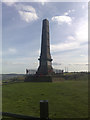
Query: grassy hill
point(67, 99)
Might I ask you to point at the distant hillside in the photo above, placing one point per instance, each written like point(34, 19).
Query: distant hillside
point(76, 76)
point(66, 76)
point(10, 76)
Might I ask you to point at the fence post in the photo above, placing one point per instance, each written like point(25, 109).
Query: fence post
point(44, 109)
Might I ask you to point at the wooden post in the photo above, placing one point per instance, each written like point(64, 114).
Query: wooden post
point(44, 109)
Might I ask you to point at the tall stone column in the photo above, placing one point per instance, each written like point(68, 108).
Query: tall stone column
point(45, 61)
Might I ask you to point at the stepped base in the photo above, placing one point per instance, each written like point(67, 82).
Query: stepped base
point(45, 70)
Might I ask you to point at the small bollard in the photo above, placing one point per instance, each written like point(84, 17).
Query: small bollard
point(44, 109)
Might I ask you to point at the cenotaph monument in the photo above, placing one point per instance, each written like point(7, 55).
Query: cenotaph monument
point(45, 60)
point(45, 71)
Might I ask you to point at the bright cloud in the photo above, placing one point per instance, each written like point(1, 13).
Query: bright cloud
point(27, 13)
point(65, 18)
point(42, 1)
point(82, 32)
point(80, 35)
point(73, 42)
point(25, 7)
point(64, 46)
point(62, 19)
point(28, 16)
point(69, 11)
point(66, 13)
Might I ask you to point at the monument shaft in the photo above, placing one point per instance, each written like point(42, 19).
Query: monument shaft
point(45, 65)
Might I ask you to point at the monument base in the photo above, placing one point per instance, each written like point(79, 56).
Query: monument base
point(35, 78)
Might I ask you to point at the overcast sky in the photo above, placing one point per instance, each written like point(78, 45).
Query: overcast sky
point(21, 35)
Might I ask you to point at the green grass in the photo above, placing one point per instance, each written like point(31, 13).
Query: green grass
point(67, 99)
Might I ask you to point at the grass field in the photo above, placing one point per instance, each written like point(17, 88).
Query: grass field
point(67, 99)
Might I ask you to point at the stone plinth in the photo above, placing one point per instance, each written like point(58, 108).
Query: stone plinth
point(34, 78)
point(44, 78)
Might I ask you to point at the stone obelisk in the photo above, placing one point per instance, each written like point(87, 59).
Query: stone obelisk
point(45, 61)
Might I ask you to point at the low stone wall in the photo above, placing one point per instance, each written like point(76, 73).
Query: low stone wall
point(34, 78)
point(38, 79)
